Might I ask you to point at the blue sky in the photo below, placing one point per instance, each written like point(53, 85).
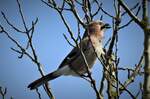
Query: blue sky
point(51, 48)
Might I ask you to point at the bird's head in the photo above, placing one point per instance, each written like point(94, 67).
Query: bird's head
point(97, 28)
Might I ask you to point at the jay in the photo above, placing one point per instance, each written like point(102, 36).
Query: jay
point(74, 63)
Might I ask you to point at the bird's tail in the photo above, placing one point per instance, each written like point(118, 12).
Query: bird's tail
point(43, 80)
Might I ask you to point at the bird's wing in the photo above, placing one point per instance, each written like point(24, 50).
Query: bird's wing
point(75, 52)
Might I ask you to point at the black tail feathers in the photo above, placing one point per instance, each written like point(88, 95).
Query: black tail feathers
point(43, 80)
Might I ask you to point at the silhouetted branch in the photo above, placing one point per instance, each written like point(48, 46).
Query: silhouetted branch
point(133, 75)
point(22, 16)
point(3, 92)
point(108, 41)
point(105, 12)
point(9, 23)
point(135, 18)
point(98, 9)
point(78, 2)
point(102, 84)
point(130, 70)
point(140, 90)
point(39, 95)
point(23, 50)
point(144, 24)
point(129, 22)
point(134, 7)
point(68, 40)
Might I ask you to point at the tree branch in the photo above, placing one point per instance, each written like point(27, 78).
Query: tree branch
point(134, 17)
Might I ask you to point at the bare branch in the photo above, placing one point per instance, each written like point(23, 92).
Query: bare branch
point(102, 84)
point(9, 23)
point(131, 14)
point(146, 29)
point(78, 2)
point(68, 40)
point(140, 90)
point(87, 10)
point(105, 12)
point(1, 29)
point(108, 41)
point(22, 16)
point(39, 95)
point(134, 7)
point(133, 75)
point(129, 22)
point(98, 9)
point(3, 92)
point(74, 11)
point(22, 50)
point(145, 10)
point(32, 31)
point(130, 70)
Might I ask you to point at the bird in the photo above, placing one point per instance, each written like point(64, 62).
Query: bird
point(74, 64)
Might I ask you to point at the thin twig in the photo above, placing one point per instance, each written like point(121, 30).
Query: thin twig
point(78, 2)
point(39, 95)
point(129, 22)
point(133, 75)
point(22, 16)
point(98, 9)
point(68, 40)
point(22, 50)
point(102, 84)
point(134, 7)
point(9, 23)
point(107, 42)
point(131, 14)
point(105, 12)
point(3, 92)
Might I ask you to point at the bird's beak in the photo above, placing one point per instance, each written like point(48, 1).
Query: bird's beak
point(107, 26)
